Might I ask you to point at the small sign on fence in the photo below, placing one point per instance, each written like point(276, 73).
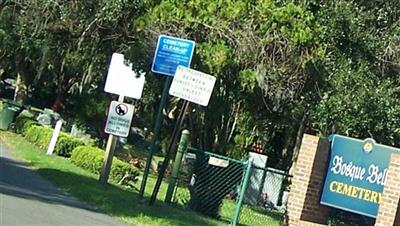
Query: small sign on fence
point(218, 162)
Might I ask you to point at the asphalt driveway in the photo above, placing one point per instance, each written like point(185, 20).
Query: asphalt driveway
point(28, 199)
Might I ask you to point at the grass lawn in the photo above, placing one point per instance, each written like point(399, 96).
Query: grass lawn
point(119, 201)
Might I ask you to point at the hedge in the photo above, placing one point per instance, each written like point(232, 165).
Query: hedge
point(91, 158)
point(66, 144)
point(22, 123)
point(41, 137)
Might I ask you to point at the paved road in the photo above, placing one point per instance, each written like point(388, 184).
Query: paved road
point(28, 199)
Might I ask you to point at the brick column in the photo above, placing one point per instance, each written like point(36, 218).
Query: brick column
point(307, 183)
point(391, 194)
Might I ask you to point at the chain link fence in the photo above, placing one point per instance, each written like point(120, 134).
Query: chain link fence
point(265, 197)
point(230, 190)
point(209, 184)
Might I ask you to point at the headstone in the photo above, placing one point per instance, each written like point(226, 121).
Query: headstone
point(273, 186)
point(256, 183)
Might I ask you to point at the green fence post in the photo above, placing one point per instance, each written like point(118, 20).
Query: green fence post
point(183, 143)
point(156, 134)
point(242, 191)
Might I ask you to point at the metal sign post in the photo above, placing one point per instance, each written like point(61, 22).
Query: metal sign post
point(193, 86)
point(171, 147)
point(170, 53)
point(156, 135)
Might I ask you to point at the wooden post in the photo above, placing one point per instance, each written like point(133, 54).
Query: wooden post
point(109, 154)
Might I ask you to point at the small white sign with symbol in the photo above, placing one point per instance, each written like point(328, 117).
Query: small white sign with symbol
point(119, 119)
point(192, 85)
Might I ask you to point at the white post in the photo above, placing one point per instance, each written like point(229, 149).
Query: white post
point(54, 138)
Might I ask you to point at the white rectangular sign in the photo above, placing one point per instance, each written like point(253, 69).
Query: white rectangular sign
point(119, 119)
point(218, 162)
point(122, 80)
point(192, 85)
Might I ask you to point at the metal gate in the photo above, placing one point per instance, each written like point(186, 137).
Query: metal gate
point(223, 188)
point(212, 185)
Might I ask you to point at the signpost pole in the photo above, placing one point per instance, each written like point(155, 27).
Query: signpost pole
point(177, 164)
point(171, 147)
point(157, 128)
point(108, 156)
point(166, 60)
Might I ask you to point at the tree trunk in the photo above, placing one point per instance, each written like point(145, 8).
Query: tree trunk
point(21, 89)
point(58, 105)
point(299, 138)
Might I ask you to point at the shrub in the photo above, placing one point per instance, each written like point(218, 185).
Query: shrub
point(66, 144)
point(91, 158)
point(41, 137)
point(22, 123)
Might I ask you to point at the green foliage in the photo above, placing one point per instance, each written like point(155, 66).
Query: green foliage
point(23, 123)
point(361, 97)
point(240, 148)
point(91, 158)
point(360, 106)
point(282, 67)
point(236, 152)
point(66, 144)
point(41, 137)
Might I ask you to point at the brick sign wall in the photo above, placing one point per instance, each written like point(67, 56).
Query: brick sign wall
point(304, 206)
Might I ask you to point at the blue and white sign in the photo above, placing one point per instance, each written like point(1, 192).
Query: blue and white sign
point(356, 175)
point(170, 53)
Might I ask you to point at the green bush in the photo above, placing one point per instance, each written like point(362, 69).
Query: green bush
point(66, 144)
point(91, 158)
point(22, 123)
point(41, 137)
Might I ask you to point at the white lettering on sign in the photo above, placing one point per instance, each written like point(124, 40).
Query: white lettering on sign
point(354, 172)
point(192, 85)
point(376, 176)
point(119, 119)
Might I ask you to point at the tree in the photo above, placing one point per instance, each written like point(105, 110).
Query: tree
point(362, 98)
point(257, 49)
